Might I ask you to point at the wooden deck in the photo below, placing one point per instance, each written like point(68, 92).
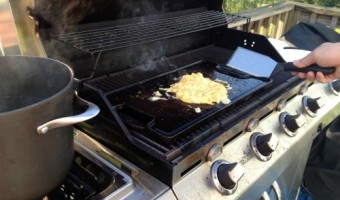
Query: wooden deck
point(275, 20)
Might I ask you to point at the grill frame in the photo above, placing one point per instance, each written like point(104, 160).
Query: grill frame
point(170, 163)
point(183, 155)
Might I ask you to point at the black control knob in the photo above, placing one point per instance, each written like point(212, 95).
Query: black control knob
point(229, 175)
point(226, 176)
point(312, 105)
point(266, 144)
point(263, 145)
point(335, 86)
point(291, 123)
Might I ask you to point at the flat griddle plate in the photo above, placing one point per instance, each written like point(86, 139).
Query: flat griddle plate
point(171, 117)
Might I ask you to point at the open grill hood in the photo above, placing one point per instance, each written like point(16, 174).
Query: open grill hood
point(103, 37)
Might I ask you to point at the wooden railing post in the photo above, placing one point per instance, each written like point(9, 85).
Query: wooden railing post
point(275, 20)
point(334, 22)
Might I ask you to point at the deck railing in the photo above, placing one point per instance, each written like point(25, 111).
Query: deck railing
point(275, 20)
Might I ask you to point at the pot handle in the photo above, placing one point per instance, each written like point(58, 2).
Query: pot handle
point(90, 112)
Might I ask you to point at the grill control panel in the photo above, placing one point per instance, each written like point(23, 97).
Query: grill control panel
point(274, 151)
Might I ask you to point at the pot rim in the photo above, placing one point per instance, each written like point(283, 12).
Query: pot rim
point(45, 100)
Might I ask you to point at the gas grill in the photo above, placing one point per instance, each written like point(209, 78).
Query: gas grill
point(256, 146)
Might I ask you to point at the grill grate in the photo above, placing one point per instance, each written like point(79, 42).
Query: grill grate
point(121, 36)
point(117, 81)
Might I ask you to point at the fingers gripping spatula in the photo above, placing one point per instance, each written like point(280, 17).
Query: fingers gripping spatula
point(259, 65)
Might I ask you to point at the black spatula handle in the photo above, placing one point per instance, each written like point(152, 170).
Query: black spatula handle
point(289, 66)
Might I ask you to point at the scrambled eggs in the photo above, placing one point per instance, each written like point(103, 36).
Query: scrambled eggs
point(196, 89)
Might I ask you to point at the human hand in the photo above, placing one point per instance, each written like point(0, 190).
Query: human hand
point(326, 55)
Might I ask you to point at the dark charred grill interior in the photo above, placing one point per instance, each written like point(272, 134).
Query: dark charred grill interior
point(134, 54)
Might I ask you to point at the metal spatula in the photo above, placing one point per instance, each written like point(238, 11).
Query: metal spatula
point(260, 65)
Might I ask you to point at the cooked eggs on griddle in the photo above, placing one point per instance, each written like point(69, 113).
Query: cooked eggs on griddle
point(196, 89)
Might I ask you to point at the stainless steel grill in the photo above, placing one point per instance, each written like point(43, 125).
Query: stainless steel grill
point(129, 49)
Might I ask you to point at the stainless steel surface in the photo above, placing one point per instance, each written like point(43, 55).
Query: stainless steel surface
point(333, 89)
point(9, 41)
point(214, 151)
point(252, 124)
point(89, 113)
point(252, 62)
point(277, 190)
point(265, 196)
point(281, 105)
point(140, 185)
point(2, 51)
point(287, 163)
point(20, 35)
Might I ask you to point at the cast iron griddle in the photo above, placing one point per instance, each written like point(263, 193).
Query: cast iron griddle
point(171, 117)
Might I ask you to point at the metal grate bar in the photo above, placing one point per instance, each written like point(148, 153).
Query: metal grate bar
point(105, 39)
point(110, 84)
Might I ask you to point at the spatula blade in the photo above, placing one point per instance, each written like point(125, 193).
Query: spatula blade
point(252, 62)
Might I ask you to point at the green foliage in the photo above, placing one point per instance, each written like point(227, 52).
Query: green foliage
point(234, 6)
point(327, 3)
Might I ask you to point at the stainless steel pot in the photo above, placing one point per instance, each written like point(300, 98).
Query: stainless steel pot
point(36, 139)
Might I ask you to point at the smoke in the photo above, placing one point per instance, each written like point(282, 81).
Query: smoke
point(76, 10)
point(63, 14)
point(148, 56)
point(133, 8)
point(28, 80)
